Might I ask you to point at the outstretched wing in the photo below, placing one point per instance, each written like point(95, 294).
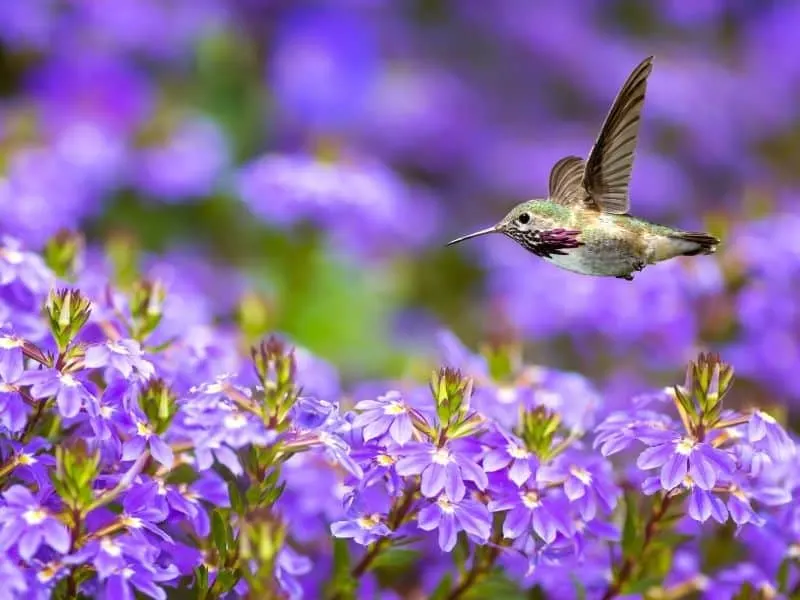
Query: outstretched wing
point(608, 168)
point(566, 181)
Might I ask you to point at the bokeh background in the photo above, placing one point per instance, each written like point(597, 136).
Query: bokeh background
point(297, 166)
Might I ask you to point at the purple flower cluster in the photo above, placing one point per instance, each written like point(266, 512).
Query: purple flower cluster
point(130, 463)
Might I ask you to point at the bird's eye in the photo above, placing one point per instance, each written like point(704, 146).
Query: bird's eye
point(524, 218)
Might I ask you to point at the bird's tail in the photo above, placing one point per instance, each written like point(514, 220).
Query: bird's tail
point(696, 243)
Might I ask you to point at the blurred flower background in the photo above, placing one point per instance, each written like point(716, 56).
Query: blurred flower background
point(245, 167)
point(320, 153)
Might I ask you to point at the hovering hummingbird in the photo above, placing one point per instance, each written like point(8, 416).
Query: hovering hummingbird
point(583, 225)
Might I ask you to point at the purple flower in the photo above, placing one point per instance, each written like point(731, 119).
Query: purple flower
point(188, 166)
point(445, 468)
point(289, 565)
point(389, 413)
point(681, 456)
point(14, 584)
point(588, 483)
point(28, 525)
point(378, 464)
point(136, 576)
point(763, 431)
point(703, 504)
point(18, 265)
point(145, 437)
point(70, 393)
point(530, 509)
point(123, 355)
point(14, 410)
point(363, 530)
point(450, 517)
point(509, 452)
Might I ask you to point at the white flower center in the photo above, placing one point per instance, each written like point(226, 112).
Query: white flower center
point(582, 475)
point(132, 522)
point(26, 459)
point(118, 348)
point(385, 460)
point(368, 522)
point(395, 408)
point(110, 547)
point(127, 573)
point(516, 451)
point(441, 456)
point(143, 430)
point(68, 380)
point(106, 411)
point(506, 395)
point(235, 421)
point(685, 446)
point(530, 499)
point(445, 505)
point(7, 343)
point(13, 256)
point(7, 387)
point(34, 516)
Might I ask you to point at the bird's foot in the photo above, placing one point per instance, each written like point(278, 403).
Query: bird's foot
point(628, 277)
point(638, 266)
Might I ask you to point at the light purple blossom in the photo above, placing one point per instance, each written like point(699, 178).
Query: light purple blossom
point(363, 530)
point(682, 456)
point(389, 413)
point(27, 525)
point(125, 356)
point(70, 393)
point(450, 517)
point(446, 468)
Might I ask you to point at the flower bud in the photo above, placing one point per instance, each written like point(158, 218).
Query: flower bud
point(68, 311)
point(158, 402)
point(63, 251)
point(147, 304)
point(538, 427)
point(452, 393)
point(76, 471)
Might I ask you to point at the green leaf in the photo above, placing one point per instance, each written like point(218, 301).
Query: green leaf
point(237, 501)
point(783, 574)
point(219, 533)
point(396, 559)
point(441, 591)
point(632, 526)
point(226, 579)
point(640, 586)
point(342, 582)
point(496, 586)
point(201, 580)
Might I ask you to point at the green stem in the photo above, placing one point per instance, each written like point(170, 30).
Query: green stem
point(482, 564)
point(628, 565)
point(397, 517)
point(122, 485)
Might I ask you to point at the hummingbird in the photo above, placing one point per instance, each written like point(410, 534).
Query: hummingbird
point(583, 225)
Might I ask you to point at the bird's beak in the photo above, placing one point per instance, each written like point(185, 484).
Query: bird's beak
point(492, 229)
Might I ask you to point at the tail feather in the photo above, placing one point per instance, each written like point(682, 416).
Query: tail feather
point(704, 243)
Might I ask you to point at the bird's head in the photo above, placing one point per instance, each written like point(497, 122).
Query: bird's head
point(517, 224)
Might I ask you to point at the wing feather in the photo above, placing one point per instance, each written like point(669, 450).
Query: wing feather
point(608, 168)
point(566, 181)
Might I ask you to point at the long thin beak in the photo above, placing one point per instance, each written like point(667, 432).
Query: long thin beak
point(492, 229)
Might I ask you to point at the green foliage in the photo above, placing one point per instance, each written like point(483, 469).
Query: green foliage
point(68, 311)
point(538, 427)
point(61, 253)
point(73, 479)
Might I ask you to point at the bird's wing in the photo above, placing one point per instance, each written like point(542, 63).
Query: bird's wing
point(608, 168)
point(566, 178)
